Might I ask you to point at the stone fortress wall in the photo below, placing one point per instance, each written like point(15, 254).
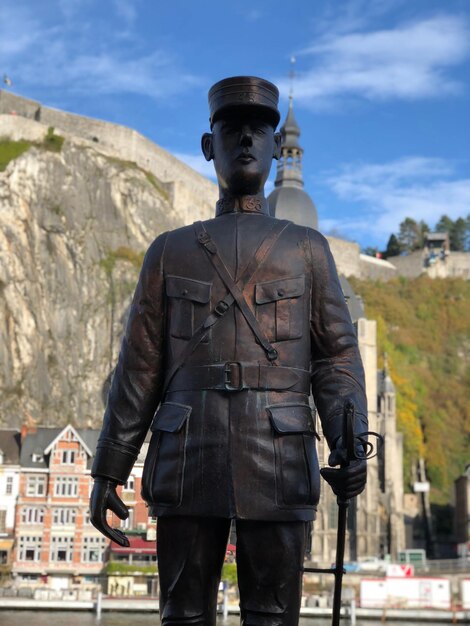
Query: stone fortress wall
point(193, 196)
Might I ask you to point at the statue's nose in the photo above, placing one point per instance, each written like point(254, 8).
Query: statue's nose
point(246, 138)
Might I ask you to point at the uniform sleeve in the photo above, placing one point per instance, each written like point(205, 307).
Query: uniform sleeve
point(337, 371)
point(137, 382)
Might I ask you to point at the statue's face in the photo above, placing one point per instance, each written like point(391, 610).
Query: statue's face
point(243, 147)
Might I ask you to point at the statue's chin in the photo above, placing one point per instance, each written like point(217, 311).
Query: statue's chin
point(245, 183)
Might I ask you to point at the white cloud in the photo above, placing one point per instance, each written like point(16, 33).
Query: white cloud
point(384, 194)
point(407, 62)
point(198, 163)
point(67, 55)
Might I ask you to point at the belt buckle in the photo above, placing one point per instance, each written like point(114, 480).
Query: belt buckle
point(228, 376)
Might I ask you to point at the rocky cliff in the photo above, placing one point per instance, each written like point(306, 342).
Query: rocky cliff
point(75, 222)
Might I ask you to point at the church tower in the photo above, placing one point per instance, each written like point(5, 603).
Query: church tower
point(289, 200)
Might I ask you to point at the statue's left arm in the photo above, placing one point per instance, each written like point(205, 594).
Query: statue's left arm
point(337, 370)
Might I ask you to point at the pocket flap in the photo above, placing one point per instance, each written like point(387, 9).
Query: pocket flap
point(170, 417)
point(279, 289)
point(291, 419)
point(188, 288)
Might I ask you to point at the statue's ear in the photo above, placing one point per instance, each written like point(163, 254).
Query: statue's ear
point(206, 145)
point(277, 146)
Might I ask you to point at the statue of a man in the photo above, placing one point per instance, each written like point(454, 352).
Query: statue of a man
point(233, 323)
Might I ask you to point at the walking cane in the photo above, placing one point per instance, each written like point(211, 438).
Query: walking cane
point(348, 453)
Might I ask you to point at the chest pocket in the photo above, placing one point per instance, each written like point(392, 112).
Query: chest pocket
point(279, 307)
point(189, 305)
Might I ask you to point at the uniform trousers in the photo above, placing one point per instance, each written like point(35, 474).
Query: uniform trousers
point(191, 553)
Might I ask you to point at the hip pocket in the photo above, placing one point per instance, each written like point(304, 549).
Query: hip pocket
point(296, 461)
point(163, 473)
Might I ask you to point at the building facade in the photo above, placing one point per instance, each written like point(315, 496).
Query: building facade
point(55, 542)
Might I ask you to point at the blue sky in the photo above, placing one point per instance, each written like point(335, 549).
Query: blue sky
point(382, 89)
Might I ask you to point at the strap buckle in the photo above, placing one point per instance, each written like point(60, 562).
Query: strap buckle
point(233, 370)
point(205, 240)
point(221, 308)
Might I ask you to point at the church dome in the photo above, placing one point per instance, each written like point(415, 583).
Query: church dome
point(293, 203)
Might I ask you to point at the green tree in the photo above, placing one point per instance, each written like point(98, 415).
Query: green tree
point(444, 225)
point(393, 247)
point(410, 235)
point(370, 251)
point(458, 234)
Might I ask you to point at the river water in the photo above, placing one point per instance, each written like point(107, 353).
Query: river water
point(68, 618)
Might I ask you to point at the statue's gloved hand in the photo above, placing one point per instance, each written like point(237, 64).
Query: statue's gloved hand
point(346, 482)
point(104, 497)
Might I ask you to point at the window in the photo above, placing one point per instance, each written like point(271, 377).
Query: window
point(64, 516)
point(36, 486)
point(86, 517)
point(32, 515)
point(37, 457)
point(66, 486)
point(68, 457)
point(3, 520)
point(29, 548)
point(93, 549)
point(61, 549)
point(9, 485)
point(130, 484)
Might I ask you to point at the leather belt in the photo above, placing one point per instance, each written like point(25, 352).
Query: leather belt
point(235, 376)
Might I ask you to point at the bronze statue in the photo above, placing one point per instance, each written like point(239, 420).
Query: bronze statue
point(234, 322)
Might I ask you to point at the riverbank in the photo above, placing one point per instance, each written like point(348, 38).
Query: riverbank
point(151, 606)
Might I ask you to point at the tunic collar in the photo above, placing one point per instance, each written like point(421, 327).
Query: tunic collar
point(242, 204)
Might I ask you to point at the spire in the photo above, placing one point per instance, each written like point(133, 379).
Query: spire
point(290, 130)
point(289, 168)
point(387, 385)
point(289, 200)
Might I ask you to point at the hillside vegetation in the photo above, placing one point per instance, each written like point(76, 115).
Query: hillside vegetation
point(424, 327)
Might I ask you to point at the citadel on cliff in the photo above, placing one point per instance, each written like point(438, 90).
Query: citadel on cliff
point(73, 226)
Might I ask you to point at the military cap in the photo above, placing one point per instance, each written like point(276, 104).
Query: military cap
point(244, 91)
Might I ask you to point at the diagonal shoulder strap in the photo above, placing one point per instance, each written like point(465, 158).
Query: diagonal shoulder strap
point(224, 305)
point(234, 288)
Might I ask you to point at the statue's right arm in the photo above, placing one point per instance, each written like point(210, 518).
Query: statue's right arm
point(137, 382)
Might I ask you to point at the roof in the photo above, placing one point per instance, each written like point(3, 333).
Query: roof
point(39, 441)
point(290, 130)
point(10, 446)
point(384, 383)
point(137, 545)
point(293, 203)
point(75, 433)
point(436, 236)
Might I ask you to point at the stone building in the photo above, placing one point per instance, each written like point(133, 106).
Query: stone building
point(375, 522)
point(9, 486)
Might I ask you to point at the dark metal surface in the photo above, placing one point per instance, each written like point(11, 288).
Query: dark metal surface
point(233, 448)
